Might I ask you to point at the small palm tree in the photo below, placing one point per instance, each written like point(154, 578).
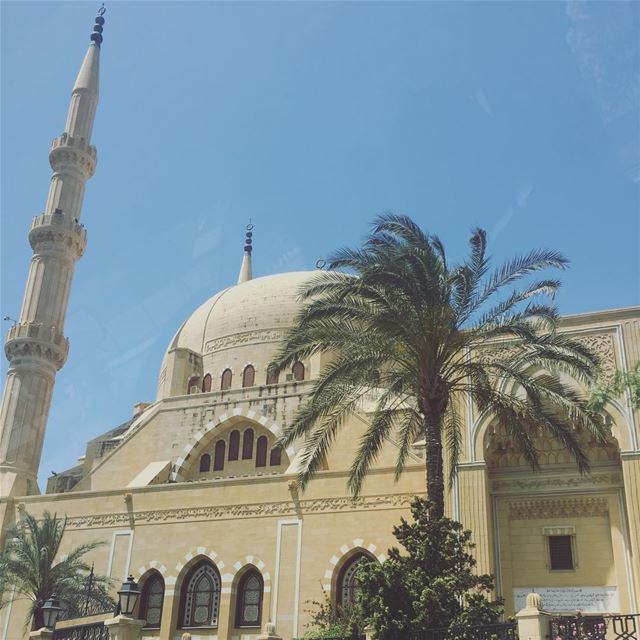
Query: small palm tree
point(28, 569)
point(421, 333)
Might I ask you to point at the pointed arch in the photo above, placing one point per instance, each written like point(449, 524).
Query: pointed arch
point(218, 456)
point(247, 444)
point(234, 444)
point(200, 596)
point(298, 371)
point(151, 600)
point(225, 380)
point(205, 463)
point(206, 383)
point(249, 599)
point(261, 451)
point(248, 376)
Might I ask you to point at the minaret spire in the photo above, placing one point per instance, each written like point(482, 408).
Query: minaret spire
point(36, 346)
point(245, 268)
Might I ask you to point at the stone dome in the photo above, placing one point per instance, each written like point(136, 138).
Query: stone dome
point(240, 325)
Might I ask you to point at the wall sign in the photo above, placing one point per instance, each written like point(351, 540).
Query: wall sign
point(571, 599)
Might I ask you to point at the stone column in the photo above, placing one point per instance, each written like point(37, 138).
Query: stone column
point(41, 634)
point(631, 475)
point(124, 628)
point(475, 512)
point(533, 622)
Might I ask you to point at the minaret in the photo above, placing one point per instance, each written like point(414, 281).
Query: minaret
point(245, 268)
point(36, 346)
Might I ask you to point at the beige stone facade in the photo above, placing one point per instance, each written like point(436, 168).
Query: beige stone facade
point(191, 483)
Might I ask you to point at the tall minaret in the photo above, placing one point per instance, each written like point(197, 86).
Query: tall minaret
point(36, 346)
point(245, 267)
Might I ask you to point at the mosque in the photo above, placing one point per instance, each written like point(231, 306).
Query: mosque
point(191, 497)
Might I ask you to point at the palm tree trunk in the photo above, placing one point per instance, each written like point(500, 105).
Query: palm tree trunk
point(433, 462)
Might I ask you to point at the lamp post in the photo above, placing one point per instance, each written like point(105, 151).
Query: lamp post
point(123, 626)
point(51, 611)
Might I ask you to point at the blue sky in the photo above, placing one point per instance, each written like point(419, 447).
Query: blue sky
point(310, 119)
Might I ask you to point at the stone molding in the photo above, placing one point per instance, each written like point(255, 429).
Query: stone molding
point(560, 483)
point(237, 511)
point(57, 232)
point(34, 340)
point(244, 338)
point(558, 508)
point(346, 549)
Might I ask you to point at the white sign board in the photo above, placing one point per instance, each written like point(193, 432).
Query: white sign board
point(571, 599)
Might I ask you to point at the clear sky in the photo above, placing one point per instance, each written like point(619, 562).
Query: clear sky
point(310, 118)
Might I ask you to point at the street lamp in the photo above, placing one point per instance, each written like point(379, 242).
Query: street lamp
point(128, 596)
point(51, 611)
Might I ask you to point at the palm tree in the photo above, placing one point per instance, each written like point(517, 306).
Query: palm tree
point(28, 570)
point(401, 321)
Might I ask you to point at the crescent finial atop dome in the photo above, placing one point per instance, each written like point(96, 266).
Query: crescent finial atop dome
point(245, 268)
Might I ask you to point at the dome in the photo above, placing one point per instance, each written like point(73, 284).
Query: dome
point(241, 325)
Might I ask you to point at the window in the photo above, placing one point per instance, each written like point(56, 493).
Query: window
point(248, 376)
point(348, 588)
point(206, 383)
point(298, 371)
point(205, 462)
point(275, 458)
point(225, 381)
point(218, 456)
point(193, 384)
point(261, 451)
point(151, 601)
point(234, 445)
point(560, 553)
point(272, 376)
point(201, 598)
point(247, 444)
point(249, 600)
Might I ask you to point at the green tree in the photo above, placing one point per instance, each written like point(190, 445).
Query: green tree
point(622, 382)
point(331, 620)
point(420, 332)
point(28, 570)
point(431, 586)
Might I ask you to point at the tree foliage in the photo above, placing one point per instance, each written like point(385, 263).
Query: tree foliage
point(431, 585)
point(29, 570)
point(330, 620)
point(403, 323)
point(622, 382)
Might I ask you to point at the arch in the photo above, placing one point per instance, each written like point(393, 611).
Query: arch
point(261, 451)
point(194, 381)
point(200, 596)
point(272, 376)
point(248, 376)
point(249, 599)
point(275, 457)
point(218, 456)
point(337, 561)
point(206, 383)
point(202, 438)
point(205, 463)
point(298, 371)
point(247, 444)
point(226, 379)
point(347, 586)
point(151, 600)
point(234, 445)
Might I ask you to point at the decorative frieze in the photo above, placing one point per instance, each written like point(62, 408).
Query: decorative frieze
point(560, 483)
point(575, 507)
point(244, 338)
point(601, 344)
point(229, 512)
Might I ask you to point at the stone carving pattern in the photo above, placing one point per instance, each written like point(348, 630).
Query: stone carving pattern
point(245, 338)
point(601, 344)
point(543, 483)
point(225, 512)
point(558, 508)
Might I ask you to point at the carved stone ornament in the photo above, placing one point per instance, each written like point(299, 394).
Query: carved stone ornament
point(558, 508)
point(542, 483)
point(601, 344)
point(232, 512)
point(245, 338)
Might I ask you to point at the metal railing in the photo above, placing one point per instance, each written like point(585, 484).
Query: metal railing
point(498, 631)
point(89, 631)
point(610, 627)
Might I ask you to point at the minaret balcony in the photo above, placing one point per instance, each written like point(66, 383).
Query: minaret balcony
point(33, 340)
point(58, 231)
point(68, 151)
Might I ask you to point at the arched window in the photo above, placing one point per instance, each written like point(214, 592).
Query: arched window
point(247, 444)
point(206, 383)
point(194, 381)
point(348, 587)
point(218, 456)
point(225, 381)
point(298, 371)
point(249, 600)
point(248, 376)
point(151, 601)
point(275, 458)
point(261, 451)
point(234, 445)
point(201, 597)
point(205, 462)
point(272, 376)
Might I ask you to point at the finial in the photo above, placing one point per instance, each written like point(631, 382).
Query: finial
point(248, 238)
point(96, 36)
